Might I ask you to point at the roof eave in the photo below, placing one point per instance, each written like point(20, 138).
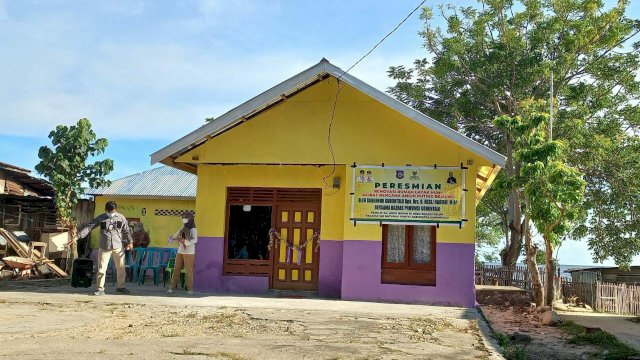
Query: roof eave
point(204, 132)
point(229, 119)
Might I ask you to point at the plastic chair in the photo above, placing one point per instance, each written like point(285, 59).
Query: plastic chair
point(168, 273)
point(165, 254)
point(150, 261)
point(132, 263)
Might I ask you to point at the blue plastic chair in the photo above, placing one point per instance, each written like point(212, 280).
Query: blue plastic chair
point(151, 258)
point(132, 263)
point(165, 255)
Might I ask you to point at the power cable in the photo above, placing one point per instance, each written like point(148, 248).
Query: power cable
point(335, 101)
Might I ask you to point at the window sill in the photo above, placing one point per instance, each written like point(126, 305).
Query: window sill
point(247, 267)
point(409, 277)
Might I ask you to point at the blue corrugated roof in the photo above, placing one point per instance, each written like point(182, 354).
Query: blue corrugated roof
point(163, 181)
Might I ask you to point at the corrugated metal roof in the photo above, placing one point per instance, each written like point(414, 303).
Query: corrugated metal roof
point(298, 82)
point(163, 181)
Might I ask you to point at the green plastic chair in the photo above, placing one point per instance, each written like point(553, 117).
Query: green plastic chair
point(168, 273)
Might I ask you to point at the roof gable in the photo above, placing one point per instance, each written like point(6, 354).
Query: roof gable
point(297, 83)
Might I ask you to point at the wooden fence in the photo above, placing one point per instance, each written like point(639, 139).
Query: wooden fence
point(579, 291)
point(618, 298)
point(517, 275)
point(605, 297)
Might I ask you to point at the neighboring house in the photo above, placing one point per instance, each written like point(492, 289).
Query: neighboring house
point(155, 197)
point(608, 274)
point(27, 208)
point(280, 161)
point(26, 202)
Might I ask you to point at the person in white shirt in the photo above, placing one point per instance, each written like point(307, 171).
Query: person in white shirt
point(187, 237)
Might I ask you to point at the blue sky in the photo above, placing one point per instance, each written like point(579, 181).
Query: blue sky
point(147, 72)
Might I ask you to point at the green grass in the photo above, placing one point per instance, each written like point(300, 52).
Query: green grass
point(503, 340)
point(611, 346)
point(516, 352)
point(509, 350)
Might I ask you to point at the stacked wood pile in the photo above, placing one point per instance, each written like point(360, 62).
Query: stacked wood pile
point(27, 260)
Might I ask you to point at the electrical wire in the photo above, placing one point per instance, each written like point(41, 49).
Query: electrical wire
point(335, 101)
point(384, 38)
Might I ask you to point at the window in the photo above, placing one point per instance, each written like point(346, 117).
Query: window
point(408, 255)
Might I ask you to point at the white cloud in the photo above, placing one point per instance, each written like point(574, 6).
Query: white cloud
point(151, 87)
point(154, 91)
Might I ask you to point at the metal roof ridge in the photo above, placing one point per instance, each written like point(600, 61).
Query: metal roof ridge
point(162, 181)
point(324, 66)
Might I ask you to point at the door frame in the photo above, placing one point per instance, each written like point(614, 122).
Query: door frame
point(274, 197)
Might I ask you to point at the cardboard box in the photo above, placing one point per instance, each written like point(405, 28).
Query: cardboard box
point(56, 241)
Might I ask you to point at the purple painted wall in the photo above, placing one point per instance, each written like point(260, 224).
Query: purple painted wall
point(361, 278)
point(345, 272)
point(209, 276)
point(330, 269)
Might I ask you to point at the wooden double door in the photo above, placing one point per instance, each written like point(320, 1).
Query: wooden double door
point(296, 253)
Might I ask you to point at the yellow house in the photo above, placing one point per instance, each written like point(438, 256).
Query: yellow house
point(156, 198)
point(324, 183)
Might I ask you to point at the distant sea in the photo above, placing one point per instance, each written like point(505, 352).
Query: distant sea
point(563, 268)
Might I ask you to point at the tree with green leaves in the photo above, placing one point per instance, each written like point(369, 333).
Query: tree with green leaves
point(66, 167)
point(552, 190)
point(490, 59)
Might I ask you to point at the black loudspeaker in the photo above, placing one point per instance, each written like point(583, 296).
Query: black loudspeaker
point(82, 274)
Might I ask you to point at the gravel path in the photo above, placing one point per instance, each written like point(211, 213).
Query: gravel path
point(62, 323)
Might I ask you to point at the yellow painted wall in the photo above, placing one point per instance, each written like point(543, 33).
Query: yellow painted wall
point(158, 227)
point(295, 132)
point(213, 181)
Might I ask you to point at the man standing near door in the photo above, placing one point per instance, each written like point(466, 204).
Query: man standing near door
point(115, 237)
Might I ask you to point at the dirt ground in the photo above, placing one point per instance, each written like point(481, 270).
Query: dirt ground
point(546, 342)
point(63, 323)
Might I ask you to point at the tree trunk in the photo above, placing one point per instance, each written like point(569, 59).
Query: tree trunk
point(73, 245)
point(550, 269)
point(509, 255)
point(530, 252)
